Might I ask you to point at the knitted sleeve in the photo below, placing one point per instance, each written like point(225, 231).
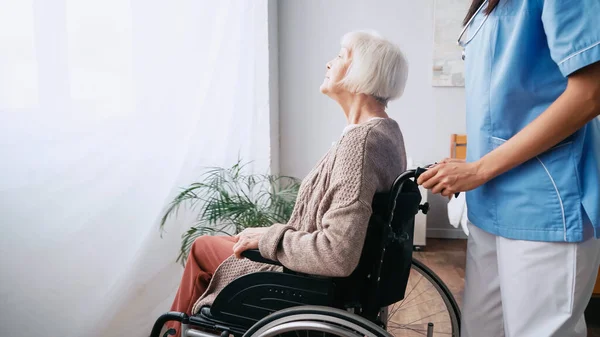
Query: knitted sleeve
point(335, 249)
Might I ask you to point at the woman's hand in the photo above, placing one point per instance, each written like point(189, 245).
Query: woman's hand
point(248, 239)
point(452, 176)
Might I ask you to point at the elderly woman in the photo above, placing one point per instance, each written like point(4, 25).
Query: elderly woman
point(327, 228)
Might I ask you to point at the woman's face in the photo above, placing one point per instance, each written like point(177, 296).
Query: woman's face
point(336, 70)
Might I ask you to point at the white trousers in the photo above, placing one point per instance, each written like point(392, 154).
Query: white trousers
point(519, 288)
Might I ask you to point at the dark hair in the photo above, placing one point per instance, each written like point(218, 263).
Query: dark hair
point(475, 6)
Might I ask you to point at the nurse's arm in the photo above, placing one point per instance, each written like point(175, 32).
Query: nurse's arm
point(578, 105)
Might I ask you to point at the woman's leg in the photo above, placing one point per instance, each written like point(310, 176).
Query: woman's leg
point(206, 254)
point(482, 306)
point(547, 286)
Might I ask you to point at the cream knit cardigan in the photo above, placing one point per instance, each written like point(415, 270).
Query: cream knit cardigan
point(328, 225)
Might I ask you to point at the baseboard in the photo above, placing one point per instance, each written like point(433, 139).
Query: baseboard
point(446, 233)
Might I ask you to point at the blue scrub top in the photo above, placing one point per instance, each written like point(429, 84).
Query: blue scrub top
point(515, 67)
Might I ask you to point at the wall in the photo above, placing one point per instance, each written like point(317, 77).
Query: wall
point(308, 36)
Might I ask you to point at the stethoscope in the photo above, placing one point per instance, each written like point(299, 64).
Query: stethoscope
point(464, 30)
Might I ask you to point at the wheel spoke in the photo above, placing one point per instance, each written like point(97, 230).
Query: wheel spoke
point(419, 294)
point(422, 331)
point(422, 303)
point(413, 288)
point(414, 305)
point(404, 324)
point(405, 302)
point(414, 330)
point(420, 319)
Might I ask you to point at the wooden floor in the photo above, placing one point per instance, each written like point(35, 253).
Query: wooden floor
point(447, 259)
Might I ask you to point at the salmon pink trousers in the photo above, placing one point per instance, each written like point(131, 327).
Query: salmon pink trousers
point(206, 254)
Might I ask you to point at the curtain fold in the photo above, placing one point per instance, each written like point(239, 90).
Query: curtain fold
point(107, 108)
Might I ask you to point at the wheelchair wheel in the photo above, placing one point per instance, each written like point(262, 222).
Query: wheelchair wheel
point(427, 300)
point(313, 321)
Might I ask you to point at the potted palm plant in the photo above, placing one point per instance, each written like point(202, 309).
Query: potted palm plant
point(229, 200)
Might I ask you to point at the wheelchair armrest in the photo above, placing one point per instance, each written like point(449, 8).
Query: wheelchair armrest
point(254, 255)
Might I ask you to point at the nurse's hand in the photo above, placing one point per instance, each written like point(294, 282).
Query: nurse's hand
point(452, 176)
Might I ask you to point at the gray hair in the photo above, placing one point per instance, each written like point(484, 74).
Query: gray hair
point(378, 66)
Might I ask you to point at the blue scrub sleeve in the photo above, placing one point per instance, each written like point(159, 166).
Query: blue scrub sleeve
point(573, 32)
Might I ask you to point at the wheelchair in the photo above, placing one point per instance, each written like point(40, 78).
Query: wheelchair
point(370, 302)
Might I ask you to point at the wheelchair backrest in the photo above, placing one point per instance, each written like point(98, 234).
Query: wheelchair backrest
point(397, 257)
point(382, 273)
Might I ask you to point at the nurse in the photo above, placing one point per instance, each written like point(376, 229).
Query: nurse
point(533, 166)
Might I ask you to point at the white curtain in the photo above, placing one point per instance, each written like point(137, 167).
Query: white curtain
point(107, 108)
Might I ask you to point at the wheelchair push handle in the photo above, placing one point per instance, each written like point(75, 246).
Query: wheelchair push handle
point(420, 170)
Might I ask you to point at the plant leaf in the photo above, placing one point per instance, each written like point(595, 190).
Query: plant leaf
point(231, 199)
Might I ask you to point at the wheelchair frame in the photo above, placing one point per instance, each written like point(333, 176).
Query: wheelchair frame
point(379, 280)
